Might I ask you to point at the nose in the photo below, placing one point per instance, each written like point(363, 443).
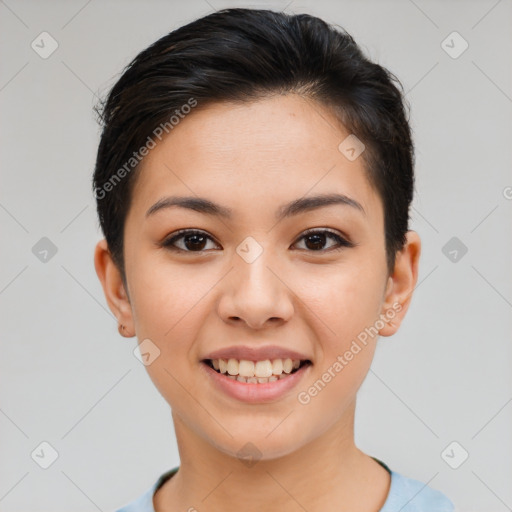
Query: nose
point(255, 294)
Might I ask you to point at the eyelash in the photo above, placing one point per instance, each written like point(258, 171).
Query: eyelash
point(342, 242)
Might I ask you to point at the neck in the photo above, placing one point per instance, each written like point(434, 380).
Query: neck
point(320, 475)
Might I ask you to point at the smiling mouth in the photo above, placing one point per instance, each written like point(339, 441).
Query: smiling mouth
point(256, 372)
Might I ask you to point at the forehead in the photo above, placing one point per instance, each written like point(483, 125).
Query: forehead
point(272, 151)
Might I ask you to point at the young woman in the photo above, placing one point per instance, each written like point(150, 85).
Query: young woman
point(253, 183)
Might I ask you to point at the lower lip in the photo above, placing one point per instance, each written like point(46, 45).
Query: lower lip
point(255, 393)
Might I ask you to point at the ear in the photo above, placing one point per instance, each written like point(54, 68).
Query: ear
point(401, 284)
point(113, 288)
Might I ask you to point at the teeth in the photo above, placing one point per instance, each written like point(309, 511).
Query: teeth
point(246, 368)
point(232, 367)
point(263, 368)
point(255, 380)
point(287, 365)
point(277, 366)
point(255, 371)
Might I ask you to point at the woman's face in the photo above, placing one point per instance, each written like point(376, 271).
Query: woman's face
point(253, 278)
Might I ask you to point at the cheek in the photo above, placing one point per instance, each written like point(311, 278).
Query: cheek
point(166, 308)
point(169, 305)
point(346, 307)
point(345, 300)
point(166, 297)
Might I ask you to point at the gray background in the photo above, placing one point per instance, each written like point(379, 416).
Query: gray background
point(69, 379)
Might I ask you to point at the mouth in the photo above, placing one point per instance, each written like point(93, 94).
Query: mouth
point(256, 372)
point(256, 382)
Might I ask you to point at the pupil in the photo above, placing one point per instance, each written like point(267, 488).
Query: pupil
point(195, 242)
point(320, 240)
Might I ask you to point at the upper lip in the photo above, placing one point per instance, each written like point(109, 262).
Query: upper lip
point(255, 354)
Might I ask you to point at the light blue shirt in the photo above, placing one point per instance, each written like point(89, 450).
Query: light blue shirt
point(405, 495)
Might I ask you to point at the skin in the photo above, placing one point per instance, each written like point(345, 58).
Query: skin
point(253, 158)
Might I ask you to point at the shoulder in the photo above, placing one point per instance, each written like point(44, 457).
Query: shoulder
point(143, 503)
point(409, 495)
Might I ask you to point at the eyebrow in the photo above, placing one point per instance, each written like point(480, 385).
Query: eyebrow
point(296, 207)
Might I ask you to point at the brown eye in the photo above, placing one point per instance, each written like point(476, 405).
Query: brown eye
point(316, 240)
point(192, 241)
point(197, 241)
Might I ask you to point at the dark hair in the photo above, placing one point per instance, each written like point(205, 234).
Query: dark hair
point(242, 55)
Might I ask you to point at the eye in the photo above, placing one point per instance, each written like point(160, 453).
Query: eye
point(193, 241)
point(316, 239)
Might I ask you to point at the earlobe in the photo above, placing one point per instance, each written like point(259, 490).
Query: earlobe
point(113, 288)
point(401, 284)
